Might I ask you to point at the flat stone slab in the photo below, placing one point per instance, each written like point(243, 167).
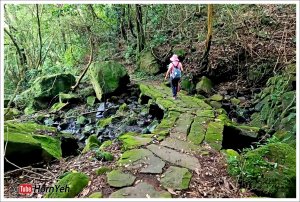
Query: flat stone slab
point(175, 157)
point(142, 159)
point(214, 135)
point(141, 190)
point(132, 140)
point(180, 145)
point(198, 129)
point(182, 126)
point(176, 178)
point(117, 178)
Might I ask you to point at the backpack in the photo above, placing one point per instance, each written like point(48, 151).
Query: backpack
point(176, 72)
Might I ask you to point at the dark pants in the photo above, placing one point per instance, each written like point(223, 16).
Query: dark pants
point(174, 85)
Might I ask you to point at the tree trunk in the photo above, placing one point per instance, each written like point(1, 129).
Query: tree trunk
point(130, 24)
point(139, 28)
point(122, 25)
point(40, 37)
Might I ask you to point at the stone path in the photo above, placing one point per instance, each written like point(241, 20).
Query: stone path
point(188, 123)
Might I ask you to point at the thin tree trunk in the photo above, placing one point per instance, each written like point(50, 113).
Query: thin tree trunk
point(87, 66)
point(40, 37)
point(123, 30)
point(139, 27)
point(130, 24)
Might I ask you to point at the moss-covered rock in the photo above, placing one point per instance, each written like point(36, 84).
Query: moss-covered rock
point(215, 104)
point(90, 101)
point(166, 124)
point(108, 76)
point(147, 63)
point(104, 156)
point(286, 137)
point(235, 101)
point(68, 97)
point(216, 97)
point(187, 85)
point(133, 140)
point(214, 135)
point(102, 123)
point(74, 184)
point(102, 170)
point(86, 92)
point(81, 120)
point(266, 166)
point(105, 144)
point(91, 143)
point(57, 107)
point(96, 195)
point(123, 107)
point(176, 178)
point(11, 114)
point(204, 85)
point(198, 129)
point(117, 178)
point(150, 91)
point(30, 142)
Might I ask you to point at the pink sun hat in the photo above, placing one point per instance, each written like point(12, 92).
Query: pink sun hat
point(174, 58)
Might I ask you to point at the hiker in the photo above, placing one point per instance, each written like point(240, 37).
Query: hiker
point(174, 71)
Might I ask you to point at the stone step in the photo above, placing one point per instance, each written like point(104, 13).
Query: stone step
point(142, 159)
point(117, 178)
point(175, 157)
point(176, 178)
point(182, 126)
point(198, 130)
point(183, 146)
point(141, 190)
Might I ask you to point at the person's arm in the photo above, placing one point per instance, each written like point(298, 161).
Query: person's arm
point(181, 68)
point(167, 74)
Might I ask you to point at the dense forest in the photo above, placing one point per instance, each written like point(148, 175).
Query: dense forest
point(87, 106)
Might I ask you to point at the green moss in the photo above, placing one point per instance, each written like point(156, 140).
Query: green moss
point(96, 195)
point(286, 137)
point(81, 120)
point(166, 124)
point(235, 101)
point(64, 97)
point(205, 113)
point(216, 97)
point(57, 107)
point(29, 136)
point(215, 104)
point(131, 156)
point(214, 135)
point(91, 143)
point(105, 144)
point(106, 77)
point(102, 123)
point(147, 63)
point(12, 113)
point(102, 170)
point(123, 107)
point(90, 101)
point(133, 140)
point(106, 156)
point(204, 85)
point(265, 166)
point(198, 129)
point(29, 110)
point(150, 91)
point(117, 178)
point(75, 181)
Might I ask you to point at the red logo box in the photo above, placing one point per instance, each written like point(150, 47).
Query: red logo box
point(25, 189)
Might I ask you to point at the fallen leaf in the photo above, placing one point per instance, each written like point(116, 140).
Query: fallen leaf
point(171, 191)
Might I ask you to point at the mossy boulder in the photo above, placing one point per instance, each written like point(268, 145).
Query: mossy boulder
point(204, 85)
point(57, 107)
point(271, 169)
point(104, 156)
point(102, 123)
point(235, 101)
point(11, 114)
point(147, 63)
point(216, 97)
point(102, 170)
point(90, 101)
point(30, 142)
point(187, 85)
point(215, 104)
point(74, 181)
point(96, 195)
point(286, 137)
point(107, 77)
point(105, 144)
point(91, 143)
point(123, 107)
point(133, 140)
